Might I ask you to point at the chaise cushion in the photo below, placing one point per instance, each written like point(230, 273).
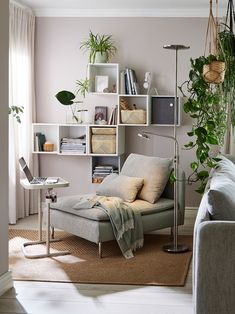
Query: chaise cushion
point(120, 186)
point(154, 170)
point(68, 204)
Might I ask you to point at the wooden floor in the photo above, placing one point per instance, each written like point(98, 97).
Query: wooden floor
point(65, 298)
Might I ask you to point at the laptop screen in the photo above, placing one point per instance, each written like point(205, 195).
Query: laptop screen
point(26, 170)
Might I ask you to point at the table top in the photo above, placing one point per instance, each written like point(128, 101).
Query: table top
point(60, 184)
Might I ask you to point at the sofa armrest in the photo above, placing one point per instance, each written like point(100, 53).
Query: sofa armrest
point(214, 268)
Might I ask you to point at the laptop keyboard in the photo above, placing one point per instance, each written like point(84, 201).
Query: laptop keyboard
point(38, 180)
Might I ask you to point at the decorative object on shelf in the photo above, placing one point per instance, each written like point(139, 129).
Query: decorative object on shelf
point(148, 84)
point(101, 83)
point(48, 146)
point(100, 115)
point(124, 104)
point(213, 72)
point(101, 47)
point(16, 111)
point(174, 247)
point(67, 98)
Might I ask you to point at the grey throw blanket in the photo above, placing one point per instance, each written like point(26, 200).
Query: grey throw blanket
point(126, 223)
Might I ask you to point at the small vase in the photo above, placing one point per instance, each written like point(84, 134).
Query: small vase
point(101, 57)
point(72, 114)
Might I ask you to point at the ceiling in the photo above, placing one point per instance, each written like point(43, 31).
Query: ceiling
point(184, 8)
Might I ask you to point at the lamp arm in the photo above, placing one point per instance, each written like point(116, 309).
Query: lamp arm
point(161, 135)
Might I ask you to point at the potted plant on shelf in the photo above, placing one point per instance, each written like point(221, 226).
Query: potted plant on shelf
point(101, 47)
point(68, 98)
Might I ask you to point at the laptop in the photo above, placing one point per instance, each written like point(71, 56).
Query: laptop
point(35, 180)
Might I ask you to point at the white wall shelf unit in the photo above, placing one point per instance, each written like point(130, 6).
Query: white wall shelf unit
point(103, 76)
point(51, 132)
point(162, 110)
point(139, 113)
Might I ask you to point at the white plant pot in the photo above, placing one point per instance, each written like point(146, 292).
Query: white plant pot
point(101, 57)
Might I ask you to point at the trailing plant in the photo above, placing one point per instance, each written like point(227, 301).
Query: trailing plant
point(16, 111)
point(68, 98)
point(99, 43)
point(206, 106)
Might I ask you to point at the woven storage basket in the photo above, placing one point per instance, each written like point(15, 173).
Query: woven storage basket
point(104, 131)
point(103, 144)
point(133, 116)
point(214, 72)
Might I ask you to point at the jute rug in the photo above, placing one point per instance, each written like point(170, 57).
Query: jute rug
point(150, 266)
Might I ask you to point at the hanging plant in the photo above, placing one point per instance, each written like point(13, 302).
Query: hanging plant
point(227, 49)
point(205, 105)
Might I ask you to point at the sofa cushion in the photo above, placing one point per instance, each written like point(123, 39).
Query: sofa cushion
point(68, 204)
point(120, 186)
point(221, 198)
point(154, 170)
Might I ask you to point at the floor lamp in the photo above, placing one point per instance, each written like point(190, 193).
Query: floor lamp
point(174, 247)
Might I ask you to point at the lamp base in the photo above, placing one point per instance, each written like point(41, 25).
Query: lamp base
point(170, 248)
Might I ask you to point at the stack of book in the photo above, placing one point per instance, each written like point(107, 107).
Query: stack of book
point(100, 172)
point(128, 82)
point(73, 145)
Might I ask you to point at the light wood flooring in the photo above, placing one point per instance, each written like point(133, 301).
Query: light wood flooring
point(67, 298)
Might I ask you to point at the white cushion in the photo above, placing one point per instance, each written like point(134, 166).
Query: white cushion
point(120, 186)
point(154, 170)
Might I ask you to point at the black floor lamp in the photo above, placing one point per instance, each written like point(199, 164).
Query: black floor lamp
point(174, 247)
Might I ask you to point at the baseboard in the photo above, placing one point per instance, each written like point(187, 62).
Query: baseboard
point(6, 282)
point(191, 208)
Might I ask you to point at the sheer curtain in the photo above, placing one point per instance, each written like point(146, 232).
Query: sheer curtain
point(21, 93)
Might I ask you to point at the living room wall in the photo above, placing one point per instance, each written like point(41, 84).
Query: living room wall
point(60, 62)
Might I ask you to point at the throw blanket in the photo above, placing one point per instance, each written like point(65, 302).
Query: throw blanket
point(126, 223)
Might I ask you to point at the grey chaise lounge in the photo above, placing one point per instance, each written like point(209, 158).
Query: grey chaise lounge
point(93, 224)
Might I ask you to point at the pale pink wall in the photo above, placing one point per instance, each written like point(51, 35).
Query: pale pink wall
point(59, 62)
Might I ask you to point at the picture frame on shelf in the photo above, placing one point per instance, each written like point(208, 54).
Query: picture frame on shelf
point(100, 115)
point(101, 83)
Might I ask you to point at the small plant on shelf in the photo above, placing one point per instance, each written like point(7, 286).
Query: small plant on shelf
point(68, 98)
point(101, 47)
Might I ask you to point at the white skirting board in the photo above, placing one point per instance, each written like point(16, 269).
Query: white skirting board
point(6, 282)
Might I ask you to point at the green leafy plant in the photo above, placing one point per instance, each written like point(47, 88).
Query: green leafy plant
point(16, 111)
point(99, 43)
point(207, 107)
point(67, 98)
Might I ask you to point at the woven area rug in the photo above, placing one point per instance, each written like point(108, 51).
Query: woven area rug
point(150, 266)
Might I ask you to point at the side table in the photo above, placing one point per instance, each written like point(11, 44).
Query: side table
point(49, 187)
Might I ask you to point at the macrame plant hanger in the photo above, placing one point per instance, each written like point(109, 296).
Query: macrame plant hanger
point(213, 72)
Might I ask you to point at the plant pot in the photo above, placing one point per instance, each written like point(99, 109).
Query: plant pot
point(214, 72)
point(101, 57)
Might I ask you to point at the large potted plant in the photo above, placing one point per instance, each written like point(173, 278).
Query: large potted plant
point(101, 47)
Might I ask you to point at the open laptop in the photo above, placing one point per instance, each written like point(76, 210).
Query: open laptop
point(35, 180)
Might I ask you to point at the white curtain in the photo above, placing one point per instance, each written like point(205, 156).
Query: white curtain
point(21, 93)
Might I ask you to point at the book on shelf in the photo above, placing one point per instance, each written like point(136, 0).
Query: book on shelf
point(122, 82)
point(40, 139)
point(131, 84)
point(113, 116)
